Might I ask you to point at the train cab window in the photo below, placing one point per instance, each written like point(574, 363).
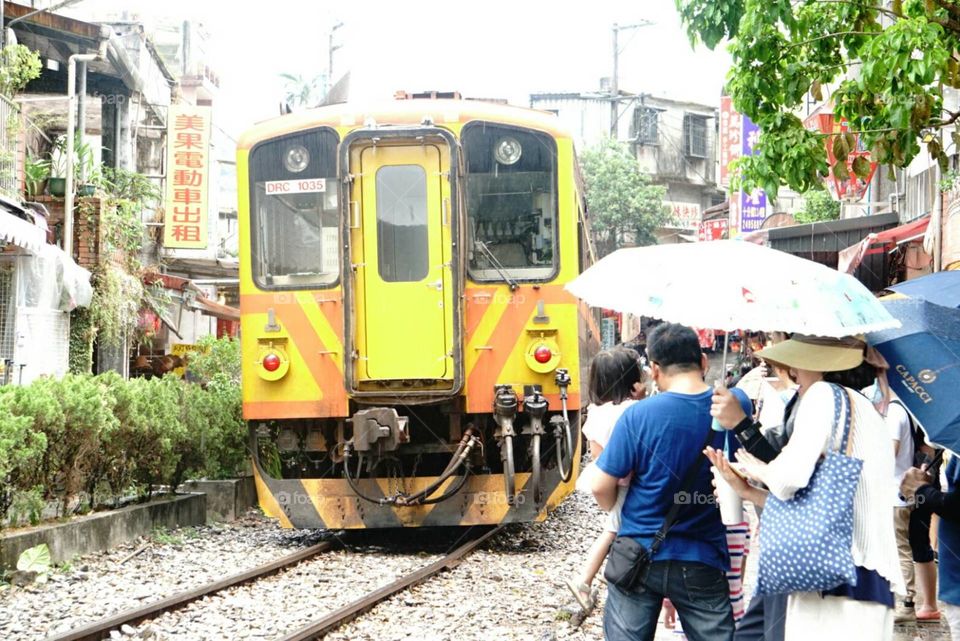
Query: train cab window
point(511, 188)
point(402, 223)
point(295, 215)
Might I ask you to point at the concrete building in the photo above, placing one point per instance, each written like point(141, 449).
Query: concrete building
point(675, 143)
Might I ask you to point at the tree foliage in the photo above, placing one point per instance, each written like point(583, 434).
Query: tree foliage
point(624, 206)
point(818, 205)
point(883, 64)
point(300, 91)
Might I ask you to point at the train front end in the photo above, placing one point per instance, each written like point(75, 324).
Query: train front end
point(410, 357)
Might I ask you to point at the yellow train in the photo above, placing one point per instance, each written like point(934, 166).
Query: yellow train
point(410, 357)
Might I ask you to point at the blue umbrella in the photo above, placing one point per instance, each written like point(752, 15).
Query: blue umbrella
point(924, 358)
point(941, 288)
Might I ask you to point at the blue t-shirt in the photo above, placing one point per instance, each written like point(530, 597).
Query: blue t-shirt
point(657, 439)
point(949, 537)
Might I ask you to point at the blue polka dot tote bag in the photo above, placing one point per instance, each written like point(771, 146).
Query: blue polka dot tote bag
point(805, 543)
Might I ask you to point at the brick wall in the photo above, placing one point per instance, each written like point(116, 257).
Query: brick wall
point(87, 237)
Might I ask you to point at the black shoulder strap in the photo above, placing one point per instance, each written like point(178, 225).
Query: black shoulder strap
point(685, 485)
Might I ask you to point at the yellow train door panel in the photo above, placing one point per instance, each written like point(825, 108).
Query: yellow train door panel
point(405, 318)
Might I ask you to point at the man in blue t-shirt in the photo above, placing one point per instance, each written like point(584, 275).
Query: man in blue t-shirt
point(656, 441)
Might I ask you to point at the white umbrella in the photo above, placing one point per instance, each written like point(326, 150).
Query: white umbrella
point(730, 285)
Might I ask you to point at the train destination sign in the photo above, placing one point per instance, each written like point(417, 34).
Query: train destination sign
point(302, 186)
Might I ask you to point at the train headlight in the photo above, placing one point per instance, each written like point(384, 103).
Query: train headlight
point(508, 151)
point(274, 362)
point(542, 354)
point(296, 158)
point(271, 362)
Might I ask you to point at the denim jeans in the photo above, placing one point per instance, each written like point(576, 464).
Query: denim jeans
point(700, 594)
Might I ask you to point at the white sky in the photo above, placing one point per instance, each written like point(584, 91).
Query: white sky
point(495, 48)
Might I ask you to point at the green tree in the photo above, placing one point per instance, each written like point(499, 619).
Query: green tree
point(818, 205)
point(301, 91)
point(883, 65)
point(624, 206)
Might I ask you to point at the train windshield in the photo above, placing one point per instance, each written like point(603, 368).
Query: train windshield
point(511, 202)
point(295, 226)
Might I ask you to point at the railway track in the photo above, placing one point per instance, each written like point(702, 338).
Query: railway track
point(101, 629)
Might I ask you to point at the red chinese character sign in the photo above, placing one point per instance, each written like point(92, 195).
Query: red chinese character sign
point(851, 184)
point(188, 176)
point(715, 229)
point(731, 143)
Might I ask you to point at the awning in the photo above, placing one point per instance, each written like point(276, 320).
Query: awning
point(898, 235)
point(21, 233)
point(880, 242)
point(212, 308)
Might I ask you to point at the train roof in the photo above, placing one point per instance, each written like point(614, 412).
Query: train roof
point(404, 112)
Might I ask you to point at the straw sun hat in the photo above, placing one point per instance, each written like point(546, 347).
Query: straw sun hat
point(817, 353)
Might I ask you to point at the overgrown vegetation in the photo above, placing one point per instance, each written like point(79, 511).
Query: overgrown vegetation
point(18, 66)
point(624, 207)
point(818, 205)
point(884, 66)
point(217, 357)
point(119, 293)
point(83, 441)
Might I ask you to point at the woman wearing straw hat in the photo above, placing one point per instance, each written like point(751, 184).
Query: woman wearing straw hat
point(863, 610)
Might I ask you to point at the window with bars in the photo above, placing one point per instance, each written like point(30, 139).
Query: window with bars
point(8, 310)
point(695, 135)
point(643, 129)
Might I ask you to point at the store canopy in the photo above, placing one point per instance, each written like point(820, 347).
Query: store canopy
point(213, 308)
point(890, 238)
point(880, 242)
point(20, 232)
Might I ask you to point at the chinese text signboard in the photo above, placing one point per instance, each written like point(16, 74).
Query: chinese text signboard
point(713, 229)
point(753, 206)
point(731, 126)
point(188, 176)
point(686, 215)
point(738, 135)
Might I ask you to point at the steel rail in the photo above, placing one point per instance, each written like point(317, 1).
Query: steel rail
point(364, 604)
point(101, 629)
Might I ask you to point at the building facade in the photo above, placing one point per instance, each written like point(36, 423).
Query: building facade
point(675, 143)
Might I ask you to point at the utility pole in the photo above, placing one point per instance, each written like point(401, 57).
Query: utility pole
point(330, 49)
point(614, 80)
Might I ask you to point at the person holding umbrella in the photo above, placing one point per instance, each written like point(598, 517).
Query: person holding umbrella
point(863, 610)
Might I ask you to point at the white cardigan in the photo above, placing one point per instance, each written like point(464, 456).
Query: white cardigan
point(874, 543)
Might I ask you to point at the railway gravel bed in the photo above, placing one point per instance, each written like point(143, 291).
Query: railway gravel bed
point(512, 589)
point(98, 585)
point(280, 604)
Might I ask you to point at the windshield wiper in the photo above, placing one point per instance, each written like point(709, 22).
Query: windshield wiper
point(497, 265)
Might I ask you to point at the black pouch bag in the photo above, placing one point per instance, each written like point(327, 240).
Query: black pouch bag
point(627, 563)
point(628, 560)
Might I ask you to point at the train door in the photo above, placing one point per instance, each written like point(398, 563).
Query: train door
point(403, 299)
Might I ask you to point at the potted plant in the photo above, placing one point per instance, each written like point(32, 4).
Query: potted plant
point(57, 184)
point(87, 170)
point(36, 172)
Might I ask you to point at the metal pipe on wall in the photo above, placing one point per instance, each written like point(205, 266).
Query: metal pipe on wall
point(72, 109)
